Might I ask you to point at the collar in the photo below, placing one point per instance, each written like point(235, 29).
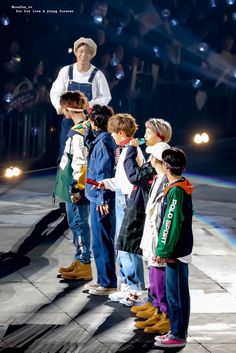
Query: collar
point(182, 183)
point(126, 141)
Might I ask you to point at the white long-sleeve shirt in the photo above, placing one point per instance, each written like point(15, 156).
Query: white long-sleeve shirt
point(152, 222)
point(120, 180)
point(100, 89)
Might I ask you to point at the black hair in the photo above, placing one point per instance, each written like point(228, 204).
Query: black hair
point(175, 159)
point(100, 114)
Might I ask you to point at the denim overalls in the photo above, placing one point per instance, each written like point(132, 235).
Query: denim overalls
point(85, 88)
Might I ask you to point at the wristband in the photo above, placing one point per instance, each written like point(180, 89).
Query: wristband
point(91, 182)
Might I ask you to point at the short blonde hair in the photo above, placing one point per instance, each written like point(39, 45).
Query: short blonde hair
point(89, 49)
point(123, 122)
point(161, 128)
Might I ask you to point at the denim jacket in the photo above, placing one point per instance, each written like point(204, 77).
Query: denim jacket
point(101, 162)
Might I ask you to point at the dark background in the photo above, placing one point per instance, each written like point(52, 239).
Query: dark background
point(191, 44)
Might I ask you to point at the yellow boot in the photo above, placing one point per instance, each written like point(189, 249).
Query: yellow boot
point(146, 314)
point(149, 322)
point(161, 327)
point(143, 307)
point(83, 271)
point(70, 268)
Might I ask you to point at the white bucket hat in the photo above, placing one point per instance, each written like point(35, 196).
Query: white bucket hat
point(89, 43)
point(157, 149)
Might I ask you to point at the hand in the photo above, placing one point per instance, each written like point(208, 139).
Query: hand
point(160, 260)
point(75, 192)
point(103, 209)
point(134, 142)
point(99, 186)
point(75, 197)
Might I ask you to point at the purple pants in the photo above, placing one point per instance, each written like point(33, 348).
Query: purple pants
point(157, 278)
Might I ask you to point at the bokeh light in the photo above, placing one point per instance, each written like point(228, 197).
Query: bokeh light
point(12, 172)
point(196, 83)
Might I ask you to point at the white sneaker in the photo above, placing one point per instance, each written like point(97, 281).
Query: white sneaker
point(134, 298)
point(102, 290)
point(159, 338)
point(124, 292)
point(117, 296)
point(130, 302)
point(124, 287)
point(91, 285)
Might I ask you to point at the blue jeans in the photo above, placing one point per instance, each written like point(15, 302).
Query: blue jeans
point(178, 297)
point(103, 234)
point(120, 204)
point(130, 265)
point(77, 216)
point(131, 269)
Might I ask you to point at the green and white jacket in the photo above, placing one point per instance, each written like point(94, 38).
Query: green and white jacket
point(175, 238)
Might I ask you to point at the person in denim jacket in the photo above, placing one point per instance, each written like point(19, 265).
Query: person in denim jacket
point(101, 162)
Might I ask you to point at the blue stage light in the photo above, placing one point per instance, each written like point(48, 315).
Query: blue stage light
point(97, 19)
point(120, 74)
point(8, 97)
point(213, 3)
point(119, 30)
point(174, 22)
point(196, 83)
point(230, 2)
point(165, 13)
point(203, 47)
point(114, 61)
point(35, 131)
point(5, 20)
point(157, 51)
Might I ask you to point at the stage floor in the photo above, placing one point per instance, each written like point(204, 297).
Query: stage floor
point(40, 313)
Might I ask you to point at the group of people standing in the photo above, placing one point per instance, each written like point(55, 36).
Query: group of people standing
point(139, 211)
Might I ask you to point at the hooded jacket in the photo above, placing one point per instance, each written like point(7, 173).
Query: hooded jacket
point(175, 237)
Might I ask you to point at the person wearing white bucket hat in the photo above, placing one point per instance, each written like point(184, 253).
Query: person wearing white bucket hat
point(157, 150)
point(81, 76)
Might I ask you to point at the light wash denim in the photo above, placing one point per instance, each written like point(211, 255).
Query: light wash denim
point(77, 216)
point(130, 265)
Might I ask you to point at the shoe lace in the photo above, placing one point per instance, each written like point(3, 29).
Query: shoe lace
point(168, 338)
point(165, 339)
point(99, 288)
point(133, 295)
